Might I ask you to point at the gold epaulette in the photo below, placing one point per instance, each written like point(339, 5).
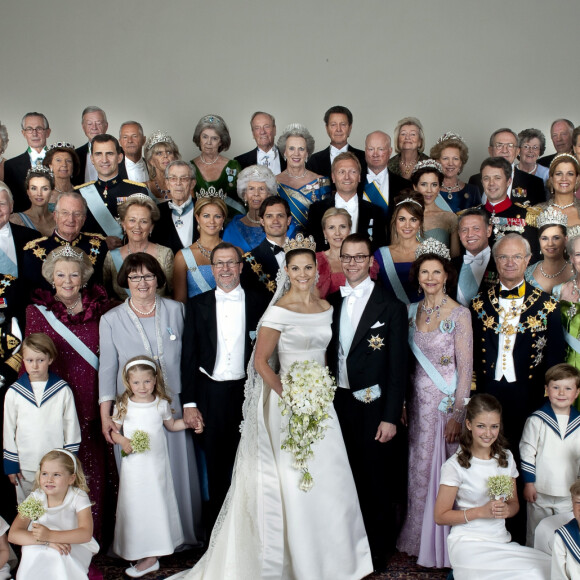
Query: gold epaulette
point(84, 185)
point(532, 214)
point(35, 242)
point(94, 235)
point(135, 183)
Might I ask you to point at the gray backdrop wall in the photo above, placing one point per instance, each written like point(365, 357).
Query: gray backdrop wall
point(460, 65)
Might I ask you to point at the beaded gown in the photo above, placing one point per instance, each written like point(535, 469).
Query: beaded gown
point(449, 347)
point(94, 453)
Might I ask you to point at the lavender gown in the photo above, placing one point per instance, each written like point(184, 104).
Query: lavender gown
point(448, 349)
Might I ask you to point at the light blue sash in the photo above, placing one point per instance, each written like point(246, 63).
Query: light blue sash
point(7, 266)
point(346, 334)
point(572, 341)
point(448, 390)
point(194, 269)
point(442, 204)
point(392, 275)
point(101, 212)
point(467, 283)
point(26, 221)
point(373, 194)
point(118, 261)
point(70, 337)
point(235, 205)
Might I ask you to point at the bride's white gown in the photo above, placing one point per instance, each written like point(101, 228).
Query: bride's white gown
point(269, 528)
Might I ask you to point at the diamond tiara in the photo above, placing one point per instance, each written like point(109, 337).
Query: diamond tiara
point(212, 120)
point(66, 251)
point(410, 200)
point(433, 246)
point(40, 169)
point(573, 232)
point(211, 191)
point(61, 145)
point(450, 135)
point(158, 137)
point(428, 164)
point(552, 216)
point(299, 242)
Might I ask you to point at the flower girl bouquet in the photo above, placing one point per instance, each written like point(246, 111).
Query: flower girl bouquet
point(500, 486)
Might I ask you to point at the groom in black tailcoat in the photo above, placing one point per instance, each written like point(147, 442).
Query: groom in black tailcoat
point(368, 357)
point(220, 326)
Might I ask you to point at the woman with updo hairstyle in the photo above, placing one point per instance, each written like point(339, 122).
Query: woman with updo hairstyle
point(409, 142)
point(255, 184)
point(320, 533)
point(192, 272)
point(3, 145)
point(406, 233)
point(563, 181)
point(532, 144)
point(138, 215)
point(452, 153)
point(439, 221)
point(62, 159)
point(554, 269)
point(215, 174)
point(39, 184)
point(160, 151)
point(441, 339)
point(299, 186)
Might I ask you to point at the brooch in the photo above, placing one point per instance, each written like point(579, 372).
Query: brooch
point(445, 360)
point(376, 342)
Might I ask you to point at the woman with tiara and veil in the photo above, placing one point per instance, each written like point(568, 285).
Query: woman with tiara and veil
point(268, 527)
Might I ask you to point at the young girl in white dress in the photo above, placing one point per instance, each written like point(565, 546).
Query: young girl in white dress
point(148, 523)
point(59, 544)
point(479, 544)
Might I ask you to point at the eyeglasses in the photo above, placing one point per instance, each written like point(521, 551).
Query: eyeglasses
point(503, 259)
point(359, 258)
point(509, 146)
point(77, 215)
point(146, 277)
point(222, 265)
point(31, 130)
point(174, 180)
point(530, 147)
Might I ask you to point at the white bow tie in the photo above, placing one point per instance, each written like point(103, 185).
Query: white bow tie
point(233, 295)
point(346, 291)
point(478, 260)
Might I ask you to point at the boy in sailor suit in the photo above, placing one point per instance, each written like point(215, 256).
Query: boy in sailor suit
point(550, 448)
point(566, 552)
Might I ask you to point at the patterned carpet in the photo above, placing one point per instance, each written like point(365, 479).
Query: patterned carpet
point(401, 567)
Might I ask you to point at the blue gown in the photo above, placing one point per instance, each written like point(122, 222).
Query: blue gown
point(301, 199)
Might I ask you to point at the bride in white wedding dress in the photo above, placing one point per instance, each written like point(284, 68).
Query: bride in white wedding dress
point(268, 528)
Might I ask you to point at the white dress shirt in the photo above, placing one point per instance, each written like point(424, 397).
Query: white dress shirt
point(334, 152)
point(270, 159)
point(137, 171)
point(381, 180)
point(231, 330)
point(183, 221)
point(280, 256)
point(355, 304)
point(90, 171)
point(35, 157)
point(7, 242)
point(504, 366)
point(351, 206)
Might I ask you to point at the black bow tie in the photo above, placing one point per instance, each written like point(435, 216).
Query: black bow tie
point(514, 293)
point(276, 249)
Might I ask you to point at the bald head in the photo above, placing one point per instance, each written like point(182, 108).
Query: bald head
point(377, 150)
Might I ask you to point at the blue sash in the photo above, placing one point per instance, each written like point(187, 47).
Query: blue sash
point(448, 390)
point(26, 220)
point(235, 205)
point(570, 534)
point(572, 341)
point(118, 261)
point(373, 194)
point(442, 204)
point(298, 203)
point(392, 275)
point(70, 337)
point(7, 266)
point(194, 269)
point(101, 212)
point(467, 284)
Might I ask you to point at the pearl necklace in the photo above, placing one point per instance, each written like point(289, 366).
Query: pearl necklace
point(206, 162)
point(576, 289)
point(297, 176)
point(428, 310)
point(552, 275)
point(253, 221)
point(139, 311)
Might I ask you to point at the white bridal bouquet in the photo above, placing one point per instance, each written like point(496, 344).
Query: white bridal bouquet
point(308, 391)
point(500, 486)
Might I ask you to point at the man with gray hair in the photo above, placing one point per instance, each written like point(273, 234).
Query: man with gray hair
point(36, 130)
point(132, 139)
point(524, 188)
point(264, 132)
point(176, 225)
point(561, 133)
